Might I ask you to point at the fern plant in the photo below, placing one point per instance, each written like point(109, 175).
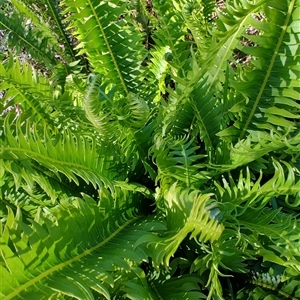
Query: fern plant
point(149, 161)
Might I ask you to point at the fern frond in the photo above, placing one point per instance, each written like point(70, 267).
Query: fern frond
point(271, 89)
point(186, 215)
point(171, 33)
point(25, 87)
point(35, 43)
point(113, 46)
point(181, 287)
point(35, 260)
point(252, 193)
point(56, 153)
point(280, 230)
point(178, 160)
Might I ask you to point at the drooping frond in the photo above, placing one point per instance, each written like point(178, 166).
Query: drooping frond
point(44, 17)
point(113, 45)
point(72, 251)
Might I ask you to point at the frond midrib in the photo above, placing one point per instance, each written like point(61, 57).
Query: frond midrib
point(59, 26)
point(270, 67)
point(108, 47)
point(34, 155)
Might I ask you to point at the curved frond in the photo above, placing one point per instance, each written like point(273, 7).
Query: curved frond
point(186, 215)
point(35, 42)
point(256, 193)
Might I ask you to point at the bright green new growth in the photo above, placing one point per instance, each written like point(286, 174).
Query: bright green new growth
point(150, 149)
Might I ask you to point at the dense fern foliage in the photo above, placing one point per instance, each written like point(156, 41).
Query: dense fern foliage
point(150, 149)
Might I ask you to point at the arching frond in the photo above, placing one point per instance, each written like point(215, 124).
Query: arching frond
point(35, 42)
point(256, 193)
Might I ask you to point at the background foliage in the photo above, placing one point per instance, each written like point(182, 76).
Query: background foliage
point(150, 149)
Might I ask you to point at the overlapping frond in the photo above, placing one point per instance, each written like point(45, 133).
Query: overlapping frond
point(35, 42)
point(171, 33)
point(178, 160)
point(82, 265)
point(256, 193)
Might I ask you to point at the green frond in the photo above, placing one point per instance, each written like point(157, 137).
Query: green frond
point(66, 153)
point(35, 42)
point(113, 45)
point(282, 232)
point(171, 33)
point(46, 17)
point(23, 86)
point(84, 263)
point(258, 193)
point(179, 160)
point(260, 143)
point(181, 287)
point(198, 19)
point(186, 216)
point(120, 120)
point(271, 86)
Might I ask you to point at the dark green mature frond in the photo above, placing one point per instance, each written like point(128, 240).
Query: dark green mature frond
point(113, 45)
point(181, 287)
point(72, 251)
